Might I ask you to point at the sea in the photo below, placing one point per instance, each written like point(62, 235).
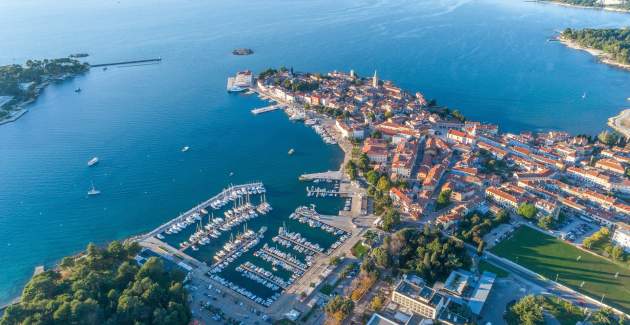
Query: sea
point(491, 59)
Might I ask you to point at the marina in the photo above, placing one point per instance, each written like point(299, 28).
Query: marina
point(218, 234)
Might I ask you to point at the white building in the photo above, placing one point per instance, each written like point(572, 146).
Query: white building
point(621, 236)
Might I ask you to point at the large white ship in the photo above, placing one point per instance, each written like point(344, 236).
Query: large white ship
point(241, 82)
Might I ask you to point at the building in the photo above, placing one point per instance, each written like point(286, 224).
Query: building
point(347, 131)
point(376, 150)
point(621, 236)
point(377, 319)
point(503, 198)
point(460, 137)
point(418, 298)
point(610, 165)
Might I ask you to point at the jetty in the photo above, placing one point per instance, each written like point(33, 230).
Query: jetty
point(225, 193)
point(156, 60)
point(299, 244)
point(249, 267)
point(269, 108)
point(274, 255)
point(335, 175)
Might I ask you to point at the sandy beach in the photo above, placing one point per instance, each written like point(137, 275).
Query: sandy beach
point(621, 122)
point(601, 55)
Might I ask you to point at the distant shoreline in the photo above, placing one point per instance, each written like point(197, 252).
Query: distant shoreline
point(555, 2)
point(621, 122)
point(599, 54)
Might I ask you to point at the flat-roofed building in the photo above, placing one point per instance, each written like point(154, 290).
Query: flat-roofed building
point(378, 319)
point(621, 236)
point(418, 299)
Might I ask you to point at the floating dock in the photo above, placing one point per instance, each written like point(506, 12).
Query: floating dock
point(297, 243)
point(265, 109)
point(283, 259)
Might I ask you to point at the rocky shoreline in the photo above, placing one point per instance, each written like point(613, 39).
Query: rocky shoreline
point(621, 122)
point(599, 54)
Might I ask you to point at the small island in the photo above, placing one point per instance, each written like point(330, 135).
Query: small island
point(243, 51)
point(611, 46)
point(20, 85)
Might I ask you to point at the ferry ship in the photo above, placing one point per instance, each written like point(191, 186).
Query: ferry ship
point(241, 82)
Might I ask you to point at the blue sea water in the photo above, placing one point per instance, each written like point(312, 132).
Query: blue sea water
point(488, 58)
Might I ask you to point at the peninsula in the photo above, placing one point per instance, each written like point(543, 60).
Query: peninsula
point(612, 5)
point(438, 207)
point(20, 85)
point(621, 123)
point(611, 46)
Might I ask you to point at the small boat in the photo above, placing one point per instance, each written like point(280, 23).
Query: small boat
point(92, 161)
point(231, 173)
point(186, 148)
point(291, 151)
point(93, 191)
point(78, 90)
point(583, 95)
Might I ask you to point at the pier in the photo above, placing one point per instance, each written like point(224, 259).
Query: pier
point(200, 206)
point(297, 243)
point(322, 192)
point(272, 254)
point(250, 269)
point(156, 60)
point(269, 108)
point(331, 174)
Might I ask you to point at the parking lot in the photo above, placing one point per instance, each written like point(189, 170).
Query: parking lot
point(576, 230)
point(498, 234)
point(206, 298)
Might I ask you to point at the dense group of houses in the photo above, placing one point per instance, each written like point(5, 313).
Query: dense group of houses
point(432, 151)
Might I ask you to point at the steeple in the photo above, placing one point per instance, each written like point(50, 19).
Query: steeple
point(375, 80)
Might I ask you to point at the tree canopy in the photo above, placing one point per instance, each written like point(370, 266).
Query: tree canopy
point(426, 253)
point(527, 311)
point(613, 41)
point(103, 286)
point(527, 210)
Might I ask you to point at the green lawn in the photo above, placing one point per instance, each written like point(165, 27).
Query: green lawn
point(358, 250)
point(549, 256)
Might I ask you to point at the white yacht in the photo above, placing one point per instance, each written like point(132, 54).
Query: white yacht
point(92, 162)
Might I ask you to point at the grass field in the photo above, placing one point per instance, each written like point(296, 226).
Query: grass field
point(549, 256)
point(485, 266)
